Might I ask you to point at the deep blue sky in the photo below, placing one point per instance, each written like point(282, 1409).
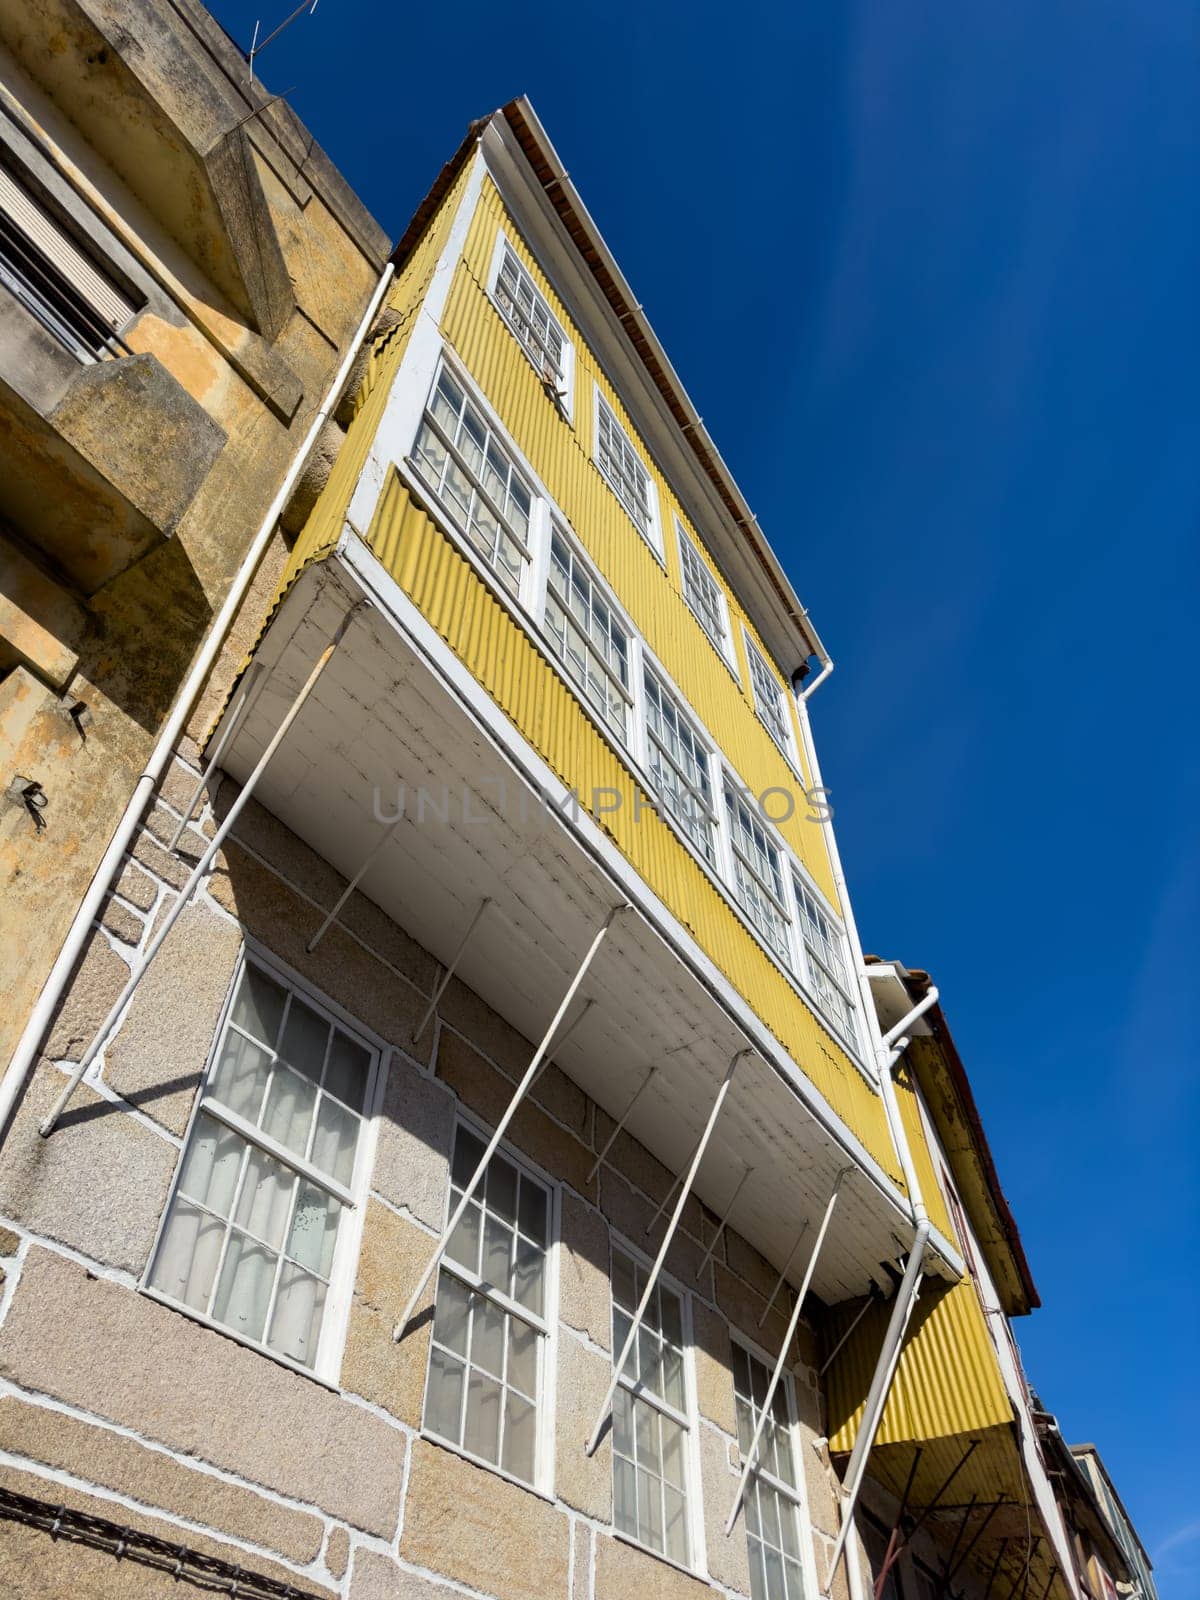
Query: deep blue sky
point(930, 274)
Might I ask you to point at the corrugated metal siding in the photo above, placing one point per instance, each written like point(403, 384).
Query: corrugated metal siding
point(561, 455)
point(914, 1131)
point(503, 659)
point(947, 1382)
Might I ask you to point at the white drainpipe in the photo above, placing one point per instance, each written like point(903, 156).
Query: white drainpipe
point(25, 1053)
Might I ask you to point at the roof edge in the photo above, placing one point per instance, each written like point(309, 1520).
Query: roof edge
point(918, 984)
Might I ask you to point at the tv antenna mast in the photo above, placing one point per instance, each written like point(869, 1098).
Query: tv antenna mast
point(256, 48)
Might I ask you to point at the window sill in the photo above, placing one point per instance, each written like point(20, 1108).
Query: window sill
point(486, 1466)
point(635, 1543)
point(229, 1333)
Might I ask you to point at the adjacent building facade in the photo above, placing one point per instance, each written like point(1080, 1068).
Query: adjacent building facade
point(181, 274)
point(473, 1155)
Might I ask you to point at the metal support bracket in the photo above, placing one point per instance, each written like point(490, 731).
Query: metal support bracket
point(531, 1072)
point(444, 981)
point(728, 1212)
point(653, 1275)
point(793, 1324)
point(198, 872)
point(251, 683)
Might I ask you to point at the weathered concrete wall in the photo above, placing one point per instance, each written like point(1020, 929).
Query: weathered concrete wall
point(131, 489)
point(113, 1401)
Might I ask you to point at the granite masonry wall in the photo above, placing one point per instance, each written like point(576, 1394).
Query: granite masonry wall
point(115, 1404)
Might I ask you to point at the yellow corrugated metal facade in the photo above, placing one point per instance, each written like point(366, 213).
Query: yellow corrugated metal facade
point(561, 454)
point(429, 568)
point(947, 1381)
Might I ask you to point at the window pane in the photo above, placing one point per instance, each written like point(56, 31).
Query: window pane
point(451, 1322)
point(443, 1397)
point(534, 1208)
point(487, 1336)
point(245, 1286)
point(468, 1153)
point(289, 1109)
point(502, 1189)
point(482, 1433)
point(497, 1254)
point(266, 1198)
point(522, 1357)
point(314, 1229)
point(305, 1036)
point(520, 1425)
point(346, 1075)
point(624, 1496)
point(241, 1075)
point(675, 1508)
point(296, 1319)
point(463, 1245)
point(335, 1140)
point(187, 1257)
point(211, 1165)
point(258, 1005)
point(529, 1276)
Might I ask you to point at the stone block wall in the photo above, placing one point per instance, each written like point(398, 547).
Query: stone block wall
point(116, 1404)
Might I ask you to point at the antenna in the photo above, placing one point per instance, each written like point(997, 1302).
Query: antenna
point(308, 6)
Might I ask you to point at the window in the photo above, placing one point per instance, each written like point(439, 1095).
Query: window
point(768, 699)
point(679, 765)
point(650, 1417)
point(584, 633)
point(772, 1504)
point(528, 314)
point(472, 474)
point(703, 593)
point(41, 264)
point(757, 878)
point(624, 470)
point(826, 969)
point(267, 1174)
point(488, 1353)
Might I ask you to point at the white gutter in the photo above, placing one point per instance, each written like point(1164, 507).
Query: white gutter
point(40, 1017)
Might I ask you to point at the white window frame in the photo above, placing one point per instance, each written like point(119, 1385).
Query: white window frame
point(631, 743)
point(796, 1494)
point(786, 746)
point(724, 646)
point(697, 1564)
point(528, 545)
point(684, 713)
point(546, 1326)
point(528, 609)
point(786, 957)
point(845, 986)
point(565, 384)
point(336, 1315)
point(652, 534)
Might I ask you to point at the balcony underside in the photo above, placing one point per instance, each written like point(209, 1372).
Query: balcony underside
point(394, 711)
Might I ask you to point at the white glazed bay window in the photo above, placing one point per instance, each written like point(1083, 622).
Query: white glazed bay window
point(490, 1329)
point(651, 1417)
point(474, 477)
point(584, 632)
point(703, 594)
point(624, 470)
point(757, 871)
point(267, 1174)
point(679, 765)
point(772, 1504)
point(536, 328)
point(769, 699)
point(824, 945)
